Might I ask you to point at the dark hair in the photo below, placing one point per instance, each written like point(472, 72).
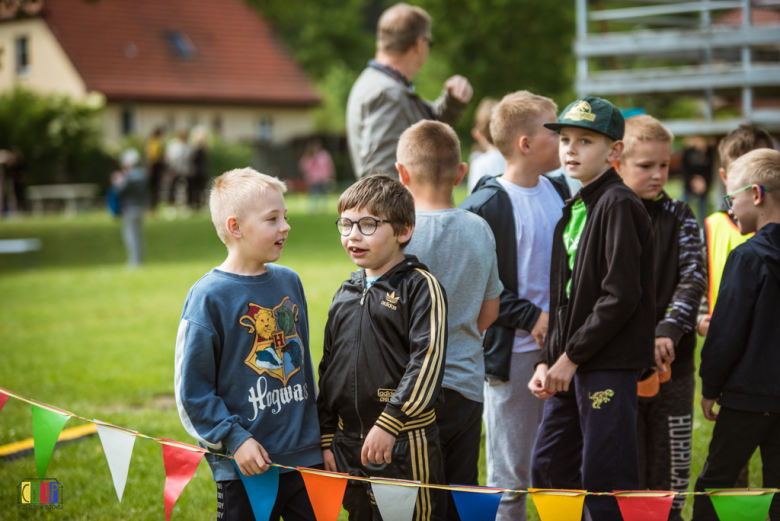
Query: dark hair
point(742, 140)
point(400, 26)
point(384, 197)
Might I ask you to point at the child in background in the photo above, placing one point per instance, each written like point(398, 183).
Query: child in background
point(490, 162)
point(459, 249)
point(522, 207)
point(383, 360)
point(740, 358)
point(130, 186)
point(665, 418)
point(243, 341)
point(721, 232)
point(602, 318)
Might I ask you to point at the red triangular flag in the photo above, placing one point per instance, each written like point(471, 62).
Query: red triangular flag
point(180, 466)
point(326, 494)
point(3, 399)
point(645, 507)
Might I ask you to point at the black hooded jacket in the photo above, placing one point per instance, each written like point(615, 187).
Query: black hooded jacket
point(740, 361)
point(384, 354)
point(609, 321)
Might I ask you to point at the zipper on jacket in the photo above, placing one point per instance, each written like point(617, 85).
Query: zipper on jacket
point(357, 353)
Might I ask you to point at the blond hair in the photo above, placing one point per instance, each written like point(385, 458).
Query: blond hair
point(482, 117)
point(383, 197)
point(430, 150)
point(759, 167)
point(643, 129)
point(235, 192)
point(740, 141)
point(400, 26)
point(517, 115)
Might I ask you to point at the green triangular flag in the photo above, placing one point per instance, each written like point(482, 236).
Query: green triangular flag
point(753, 507)
point(47, 426)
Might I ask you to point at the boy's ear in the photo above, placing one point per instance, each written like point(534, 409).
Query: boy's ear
point(477, 135)
point(522, 144)
point(616, 150)
point(405, 235)
point(403, 173)
point(722, 174)
point(233, 228)
point(462, 169)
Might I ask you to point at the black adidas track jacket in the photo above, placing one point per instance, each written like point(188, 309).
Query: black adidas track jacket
point(384, 353)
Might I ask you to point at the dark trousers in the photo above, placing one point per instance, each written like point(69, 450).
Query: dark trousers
point(416, 456)
point(664, 428)
point(156, 173)
point(587, 440)
point(292, 501)
point(736, 436)
point(460, 431)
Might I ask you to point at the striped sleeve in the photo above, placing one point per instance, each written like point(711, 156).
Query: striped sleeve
point(420, 386)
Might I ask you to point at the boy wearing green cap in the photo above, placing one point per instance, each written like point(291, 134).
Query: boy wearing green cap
point(601, 332)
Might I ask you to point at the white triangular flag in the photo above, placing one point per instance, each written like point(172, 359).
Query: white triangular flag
point(118, 446)
point(396, 503)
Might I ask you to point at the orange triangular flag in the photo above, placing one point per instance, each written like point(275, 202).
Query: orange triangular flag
point(326, 492)
point(558, 505)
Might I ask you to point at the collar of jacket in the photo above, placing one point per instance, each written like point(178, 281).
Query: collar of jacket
point(410, 262)
point(653, 205)
point(592, 193)
point(393, 73)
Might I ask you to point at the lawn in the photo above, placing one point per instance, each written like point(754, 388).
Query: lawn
point(83, 332)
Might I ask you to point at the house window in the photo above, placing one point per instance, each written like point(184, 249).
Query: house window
point(265, 130)
point(22, 51)
point(128, 120)
point(181, 45)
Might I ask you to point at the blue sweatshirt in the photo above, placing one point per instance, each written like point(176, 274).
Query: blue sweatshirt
point(243, 368)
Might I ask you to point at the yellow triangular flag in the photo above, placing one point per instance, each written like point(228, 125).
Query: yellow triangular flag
point(558, 505)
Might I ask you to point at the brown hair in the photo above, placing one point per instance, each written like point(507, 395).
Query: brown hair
point(400, 26)
point(430, 150)
point(740, 141)
point(516, 115)
point(758, 167)
point(482, 117)
point(641, 129)
point(383, 197)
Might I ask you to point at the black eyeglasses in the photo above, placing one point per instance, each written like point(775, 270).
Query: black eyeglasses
point(367, 225)
point(430, 41)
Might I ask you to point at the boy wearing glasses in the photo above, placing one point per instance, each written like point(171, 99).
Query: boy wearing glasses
point(740, 358)
point(459, 249)
point(383, 360)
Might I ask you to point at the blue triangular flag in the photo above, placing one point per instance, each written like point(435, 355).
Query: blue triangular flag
point(262, 490)
point(477, 506)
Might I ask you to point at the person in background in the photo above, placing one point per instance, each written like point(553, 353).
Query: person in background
point(319, 172)
point(382, 102)
point(130, 183)
point(697, 164)
point(490, 161)
point(155, 160)
point(177, 157)
point(200, 173)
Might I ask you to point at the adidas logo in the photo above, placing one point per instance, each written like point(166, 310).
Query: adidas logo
point(391, 300)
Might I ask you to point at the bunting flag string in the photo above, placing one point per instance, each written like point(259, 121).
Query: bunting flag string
point(326, 489)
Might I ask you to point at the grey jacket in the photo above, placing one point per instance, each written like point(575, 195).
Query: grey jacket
point(378, 111)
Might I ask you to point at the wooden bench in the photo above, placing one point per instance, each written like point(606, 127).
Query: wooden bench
point(70, 194)
point(26, 248)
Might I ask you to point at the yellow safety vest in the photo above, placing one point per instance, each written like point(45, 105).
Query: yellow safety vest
point(722, 237)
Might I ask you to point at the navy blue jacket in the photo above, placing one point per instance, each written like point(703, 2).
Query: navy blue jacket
point(741, 356)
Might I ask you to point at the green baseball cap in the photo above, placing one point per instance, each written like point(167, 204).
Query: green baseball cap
point(596, 114)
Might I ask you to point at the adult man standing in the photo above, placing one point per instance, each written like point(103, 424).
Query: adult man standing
point(382, 103)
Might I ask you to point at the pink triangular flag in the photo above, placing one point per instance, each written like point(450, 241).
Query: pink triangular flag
point(3, 399)
point(180, 466)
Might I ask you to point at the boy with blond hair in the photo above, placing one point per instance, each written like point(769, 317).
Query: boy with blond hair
point(490, 161)
point(244, 379)
point(383, 360)
point(522, 207)
point(459, 249)
point(602, 318)
point(665, 416)
point(739, 359)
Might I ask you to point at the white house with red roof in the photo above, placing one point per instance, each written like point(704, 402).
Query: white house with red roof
point(171, 63)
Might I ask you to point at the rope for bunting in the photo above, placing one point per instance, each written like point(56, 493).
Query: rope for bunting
point(400, 482)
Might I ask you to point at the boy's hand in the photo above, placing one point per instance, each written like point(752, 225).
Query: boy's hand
point(706, 406)
point(540, 328)
point(378, 447)
point(536, 385)
point(704, 325)
point(251, 458)
point(329, 460)
point(664, 352)
point(459, 88)
point(559, 376)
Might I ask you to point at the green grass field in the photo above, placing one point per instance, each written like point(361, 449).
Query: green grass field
point(86, 334)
